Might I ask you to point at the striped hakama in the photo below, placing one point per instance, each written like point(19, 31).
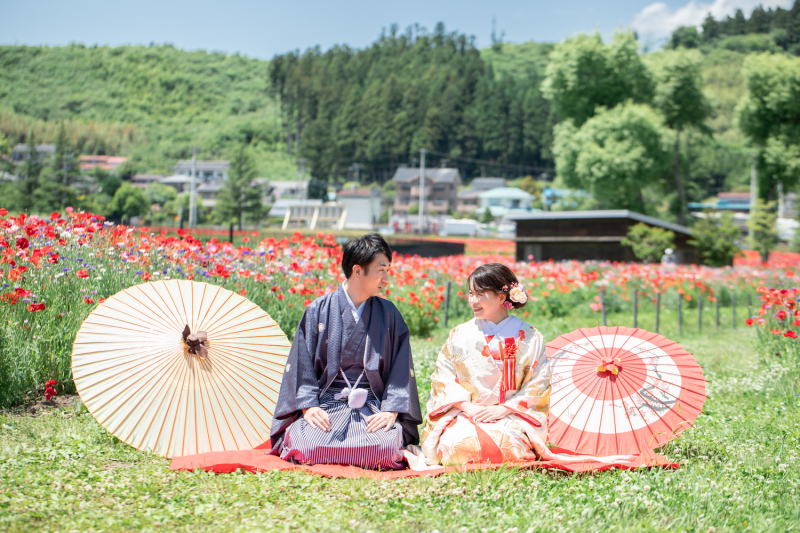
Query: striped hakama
point(347, 442)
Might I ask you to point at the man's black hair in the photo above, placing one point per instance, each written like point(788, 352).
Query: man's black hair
point(362, 251)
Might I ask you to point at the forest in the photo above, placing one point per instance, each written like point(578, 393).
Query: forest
point(674, 125)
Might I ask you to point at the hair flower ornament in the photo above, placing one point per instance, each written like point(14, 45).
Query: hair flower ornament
point(518, 294)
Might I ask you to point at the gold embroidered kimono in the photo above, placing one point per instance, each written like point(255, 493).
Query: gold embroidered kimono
point(466, 371)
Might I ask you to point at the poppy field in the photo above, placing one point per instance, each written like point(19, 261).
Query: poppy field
point(61, 471)
point(54, 271)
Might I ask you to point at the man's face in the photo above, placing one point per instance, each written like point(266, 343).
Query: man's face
point(376, 277)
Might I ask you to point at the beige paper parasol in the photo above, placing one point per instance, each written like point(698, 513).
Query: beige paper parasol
point(152, 390)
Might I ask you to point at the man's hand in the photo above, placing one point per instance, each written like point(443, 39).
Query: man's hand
point(381, 420)
point(318, 418)
point(491, 414)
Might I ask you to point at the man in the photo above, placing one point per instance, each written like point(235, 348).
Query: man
point(348, 394)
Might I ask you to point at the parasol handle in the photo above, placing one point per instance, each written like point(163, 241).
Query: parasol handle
point(196, 342)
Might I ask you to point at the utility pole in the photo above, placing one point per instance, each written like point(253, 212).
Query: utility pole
point(752, 189)
point(422, 191)
point(357, 168)
point(193, 192)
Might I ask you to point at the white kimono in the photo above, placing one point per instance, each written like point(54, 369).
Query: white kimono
point(470, 369)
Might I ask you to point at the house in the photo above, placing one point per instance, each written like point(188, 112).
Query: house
point(441, 189)
point(181, 182)
point(287, 189)
point(363, 207)
point(503, 200)
point(485, 184)
point(143, 180)
point(20, 151)
point(589, 235)
point(208, 192)
point(106, 162)
point(468, 201)
point(206, 170)
point(281, 207)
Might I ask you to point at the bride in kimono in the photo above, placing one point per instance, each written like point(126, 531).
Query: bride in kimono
point(490, 389)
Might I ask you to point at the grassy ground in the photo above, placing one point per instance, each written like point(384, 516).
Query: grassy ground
point(60, 471)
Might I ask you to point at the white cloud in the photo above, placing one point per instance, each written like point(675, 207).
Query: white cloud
point(657, 20)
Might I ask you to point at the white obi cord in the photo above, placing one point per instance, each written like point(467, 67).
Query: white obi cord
point(356, 398)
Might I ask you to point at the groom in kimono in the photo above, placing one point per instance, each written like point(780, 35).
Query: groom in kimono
point(348, 394)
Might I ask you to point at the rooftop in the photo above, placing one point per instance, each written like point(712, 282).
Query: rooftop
point(484, 184)
point(600, 214)
point(438, 175)
point(207, 166)
point(514, 193)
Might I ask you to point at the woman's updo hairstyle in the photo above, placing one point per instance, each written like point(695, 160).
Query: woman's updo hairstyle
point(497, 278)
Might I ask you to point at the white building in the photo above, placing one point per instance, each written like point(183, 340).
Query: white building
point(363, 207)
point(502, 200)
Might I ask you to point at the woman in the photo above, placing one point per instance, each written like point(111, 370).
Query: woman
point(491, 386)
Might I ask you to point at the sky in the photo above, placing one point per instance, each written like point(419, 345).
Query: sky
point(265, 28)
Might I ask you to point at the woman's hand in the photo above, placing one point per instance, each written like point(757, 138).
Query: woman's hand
point(470, 408)
point(318, 418)
point(381, 420)
point(491, 414)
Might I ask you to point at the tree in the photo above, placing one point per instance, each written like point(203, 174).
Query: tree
point(56, 191)
point(769, 115)
point(648, 242)
point(238, 196)
point(762, 224)
point(28, 175)
point(710, 28)
point(614, 155)
point(128, 201)
point(715, 236)
point(584, 74)
point(679, 96)
point(487, 217)
point(685, 37)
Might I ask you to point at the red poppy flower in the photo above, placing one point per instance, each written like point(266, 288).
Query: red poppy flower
point(49, 391)
point(3, 212)
point(781, 315)
point(22, 243)
point(88, 301)
point(35, 308)
point(146, 276)
point(83, 273)
point(55, 216)
point(53, 259)
point(791, 334)
point(749, 321)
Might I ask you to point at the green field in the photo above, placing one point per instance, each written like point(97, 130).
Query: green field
point(60, 471)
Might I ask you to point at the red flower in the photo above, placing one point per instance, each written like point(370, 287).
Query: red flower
point(781, 315)
point(83, 273)
point(14, 274)
point(791, 334)
point(88, 301)
point(22, 243)
point(146, 276)
point(49, 391)
point(35, 308)
point(3, 212)
point(280, 296)
point(55, 216)
point(749, 321)
point(52, 259)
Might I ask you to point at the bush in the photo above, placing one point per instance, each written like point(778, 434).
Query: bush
point(715, 238)
point(648, 242)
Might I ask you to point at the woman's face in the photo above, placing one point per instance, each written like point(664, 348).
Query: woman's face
point(487, 305)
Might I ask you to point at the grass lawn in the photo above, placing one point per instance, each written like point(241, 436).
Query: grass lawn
point(60, 471)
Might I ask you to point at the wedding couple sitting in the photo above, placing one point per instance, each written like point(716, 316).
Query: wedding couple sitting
point(349, 392)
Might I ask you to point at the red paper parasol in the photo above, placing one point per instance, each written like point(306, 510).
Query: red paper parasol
point(621, 391)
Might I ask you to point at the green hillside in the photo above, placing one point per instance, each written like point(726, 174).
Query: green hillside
point(150, 103)
point(154, 103)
